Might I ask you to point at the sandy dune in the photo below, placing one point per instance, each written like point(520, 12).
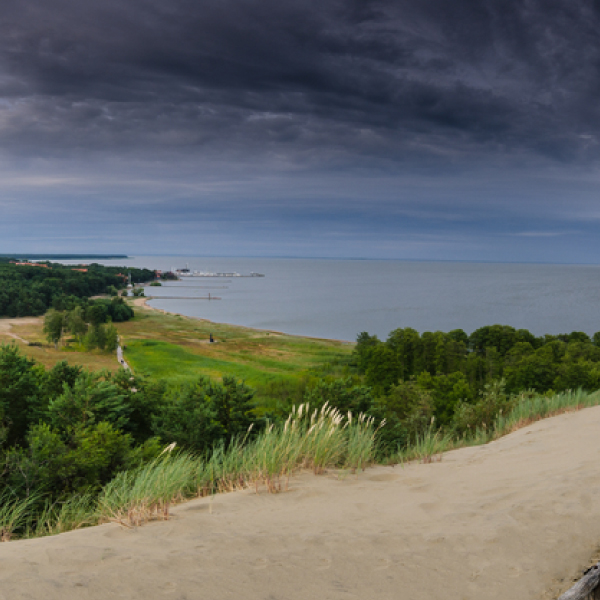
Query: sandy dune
point(504, 521)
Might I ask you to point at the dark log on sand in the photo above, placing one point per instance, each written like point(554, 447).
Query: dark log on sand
point(587, 588)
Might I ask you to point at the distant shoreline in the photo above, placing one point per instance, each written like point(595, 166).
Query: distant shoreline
point(66, 256)
point(143, 302)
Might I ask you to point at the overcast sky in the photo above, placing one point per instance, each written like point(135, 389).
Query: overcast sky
point(414, 129)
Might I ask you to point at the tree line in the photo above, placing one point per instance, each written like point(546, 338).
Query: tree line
point(463, 381)
point(31, 290)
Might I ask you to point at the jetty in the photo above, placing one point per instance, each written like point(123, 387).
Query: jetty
point(209, 297)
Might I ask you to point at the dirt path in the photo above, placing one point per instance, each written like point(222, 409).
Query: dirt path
point(7, 324)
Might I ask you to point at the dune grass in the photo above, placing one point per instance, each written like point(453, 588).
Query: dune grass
point(75, 512)
point(14, 513)
point(428, 446)
point(314, 440)
point(432, 443)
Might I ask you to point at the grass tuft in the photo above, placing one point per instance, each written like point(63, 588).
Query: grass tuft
point(14, 513)
point(317, 441)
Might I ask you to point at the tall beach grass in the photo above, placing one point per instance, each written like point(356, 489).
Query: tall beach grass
point(310, 439)
point(316, 440)
point(526, 409)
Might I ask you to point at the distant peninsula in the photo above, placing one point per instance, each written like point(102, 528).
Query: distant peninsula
point(65, 256)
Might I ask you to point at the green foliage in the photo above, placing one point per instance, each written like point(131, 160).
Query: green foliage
point(198, 415)
point(187, 418)
point(343, 394)
point(383, 370)
point(454, 377)
point(489, 353)
point(74, 461)
point(54, 323)
point(446, 391)
point(233, 405)
point(408, 410)
point(20, 402)
point(75, 322)
point(90, 400)
point(90, 324)
point(66, 431)
point(96, 313)
point(482, 413)
point(62, 374)
point(28, 290)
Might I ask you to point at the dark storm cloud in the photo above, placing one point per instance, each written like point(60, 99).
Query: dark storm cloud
point(336, 81)
point(406, 128)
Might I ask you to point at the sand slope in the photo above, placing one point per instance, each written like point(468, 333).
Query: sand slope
point(504, 521)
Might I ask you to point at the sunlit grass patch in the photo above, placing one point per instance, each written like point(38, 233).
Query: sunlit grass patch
point(155, 340)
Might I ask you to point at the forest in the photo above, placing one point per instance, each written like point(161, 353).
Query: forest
point(463, 381)
point(30, 289)
point(66, 431)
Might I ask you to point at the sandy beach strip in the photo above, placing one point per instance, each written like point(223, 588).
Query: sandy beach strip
point(516, 519)
point(142, 302)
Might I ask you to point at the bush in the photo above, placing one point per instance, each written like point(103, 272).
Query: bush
point(482, 414)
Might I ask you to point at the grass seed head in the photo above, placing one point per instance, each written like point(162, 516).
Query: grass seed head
point(169, 448)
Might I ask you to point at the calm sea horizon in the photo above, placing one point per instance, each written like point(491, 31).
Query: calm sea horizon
point(338, 299)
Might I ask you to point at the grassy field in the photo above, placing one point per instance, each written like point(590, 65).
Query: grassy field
point(175, 348)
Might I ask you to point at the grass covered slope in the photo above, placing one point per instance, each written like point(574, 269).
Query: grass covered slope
point(513, 519)
point(316, 440)
point(155, 340)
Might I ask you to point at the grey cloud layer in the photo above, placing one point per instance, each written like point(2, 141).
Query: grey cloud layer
point(398, 128)
point(302, 82)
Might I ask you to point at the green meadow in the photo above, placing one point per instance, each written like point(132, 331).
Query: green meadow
point(276, 365)
point(175, 348)
point(279, 367)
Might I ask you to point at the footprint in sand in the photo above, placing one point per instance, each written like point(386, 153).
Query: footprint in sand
point(261, 563)
point(168, 587)
point(324, 564)
point(382, 564)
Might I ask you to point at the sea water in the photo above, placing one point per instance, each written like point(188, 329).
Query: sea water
point(338, 299)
